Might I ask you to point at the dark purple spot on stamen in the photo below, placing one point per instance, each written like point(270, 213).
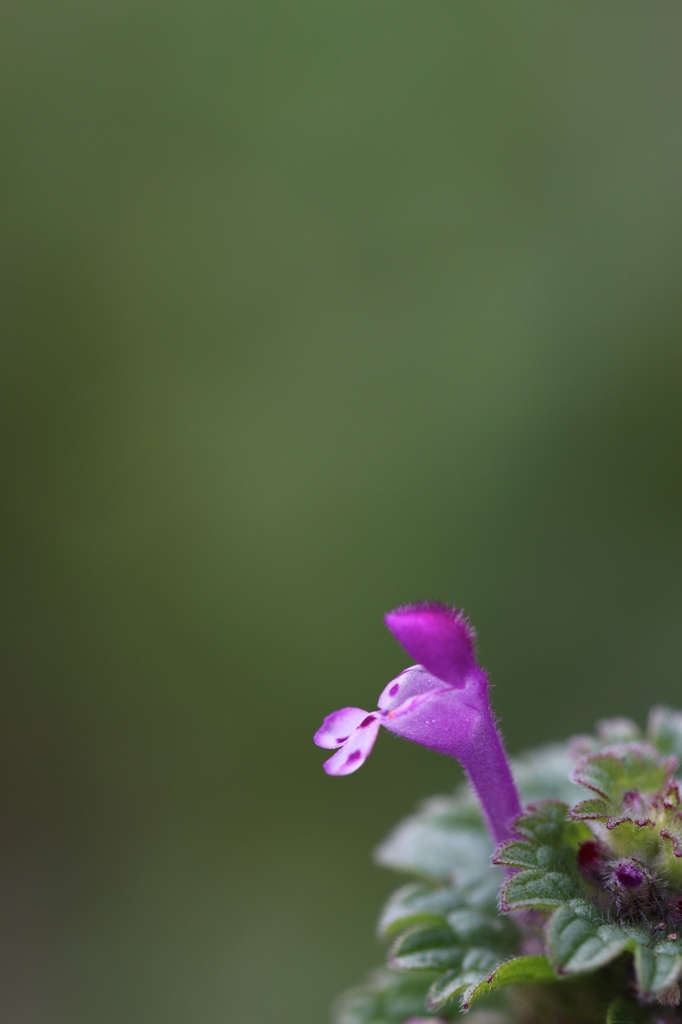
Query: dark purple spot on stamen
point(394, 689)
point(366, 721)
point(354, 756)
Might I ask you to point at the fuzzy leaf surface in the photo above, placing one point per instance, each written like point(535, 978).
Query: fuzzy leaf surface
point(592, 809)
point(665, 731)
point(538, 889)
point(547, 875)
point(474, 928)
point(621, 1011)
point(545, 774)
point(657, 967)
point(618, 730)
point(476, 966)
point(387, 998)
point(580, 941)
point(523, 970)
point(517, 854)
point(445, 840)
point(418, 903)
point(430, 949)
point(550, 839)
point(637, 767)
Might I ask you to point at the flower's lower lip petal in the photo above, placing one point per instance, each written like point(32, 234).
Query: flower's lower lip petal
point(409, 683)
point(338, 726)
point(356, 750)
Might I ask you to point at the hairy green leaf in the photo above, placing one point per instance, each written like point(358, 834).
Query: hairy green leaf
point(544, 823)
point(523, 970)
point(476, 965)
point(665, 731)
point(657, 967)
point(614, 773)
point(538, 888)
point(475, 928)
point(517, 854)
point(427, 949)
point(418, 903)
point(622, 1011)
point(593, 809)
point(545, 774)
point(551, 839)
point(579, 940)
point(618, 730)
point(446, 839)
point(389, 997)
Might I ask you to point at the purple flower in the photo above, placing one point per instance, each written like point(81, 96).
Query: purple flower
point(628, 876)
point(442, 703)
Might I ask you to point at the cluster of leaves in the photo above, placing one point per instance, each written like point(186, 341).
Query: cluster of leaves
point(557, 930)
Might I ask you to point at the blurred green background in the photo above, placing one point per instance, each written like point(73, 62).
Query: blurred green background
point(309, 310)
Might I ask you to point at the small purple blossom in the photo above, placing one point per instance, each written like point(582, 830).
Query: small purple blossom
point(628, 876)
point(442, 703)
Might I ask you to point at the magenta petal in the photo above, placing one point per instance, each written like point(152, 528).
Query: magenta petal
point(441, 703)
point(437, 637)
point(338, 726)
point(409, 683)
point(458, 722)
point(356, 751)
point(442, 720)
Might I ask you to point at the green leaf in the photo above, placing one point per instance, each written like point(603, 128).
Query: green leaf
point(593, 809)
point(544, 824)
point(551, 840)
point(389, 997)
point(523, 970)
point(657, 967)
point(418, 903)
point(473, 928)
point(579, 941)
point(611, 775)
point(517, 854)
point(426, 949)
point(445, 839)
point(476, 965)
point(669, 863)
point(548, 825)
point(624, 1012)
point(618, 730)
point(538, 888)
point(545, 774)
point(629, 839)
point(665, 731)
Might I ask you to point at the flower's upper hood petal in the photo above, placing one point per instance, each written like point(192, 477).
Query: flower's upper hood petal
point(438, 638)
